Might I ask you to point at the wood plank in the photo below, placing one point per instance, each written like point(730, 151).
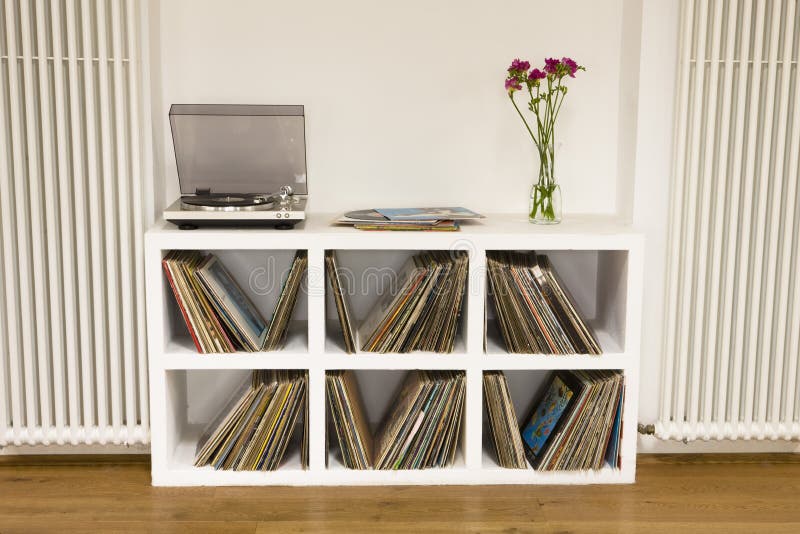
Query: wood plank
point(189, 527)
point(714, 493)
point(74, 459)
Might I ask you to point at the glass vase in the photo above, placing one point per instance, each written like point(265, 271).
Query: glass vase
point(545, 204)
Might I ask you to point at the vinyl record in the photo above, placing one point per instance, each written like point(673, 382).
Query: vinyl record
point(365, 215)
point(226, 202)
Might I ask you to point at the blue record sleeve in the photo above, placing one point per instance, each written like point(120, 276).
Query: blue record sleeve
point(548, 415)
point(428, 214)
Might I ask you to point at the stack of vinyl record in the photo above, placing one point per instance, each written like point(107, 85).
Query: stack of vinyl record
point(349, 419)
point(423, 427)
point(503, 421)
point(576, 423)
point(252, 433)
point(535, 312)
point(218, 314)
point(442, 219)
point(420, 431)
point(340, 297)
point(422, 315)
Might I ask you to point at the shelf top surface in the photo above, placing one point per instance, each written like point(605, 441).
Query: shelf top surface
point(574, 228)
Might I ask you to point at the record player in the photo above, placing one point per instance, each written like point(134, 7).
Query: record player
point(239, 165)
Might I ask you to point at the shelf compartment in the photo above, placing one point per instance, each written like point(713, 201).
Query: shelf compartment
point(597, 282)
point(334, 346)
point(180, 353)
point(496, 347)
point(194, 398)
point(415, 360)
point(260, 275)
point(378, 389)
point(366, 276)
point(492, 473)
point(525, 387)
point(555, 362)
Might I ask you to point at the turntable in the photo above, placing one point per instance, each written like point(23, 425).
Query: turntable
point(239, 165)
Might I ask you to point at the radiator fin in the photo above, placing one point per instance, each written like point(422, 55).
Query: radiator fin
point(72, 200)
point(730, 361)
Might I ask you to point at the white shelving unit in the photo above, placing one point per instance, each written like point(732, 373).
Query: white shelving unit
point(600, 260)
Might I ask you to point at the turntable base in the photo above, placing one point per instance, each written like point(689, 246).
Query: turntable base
point(211, 223)
point(235, 211)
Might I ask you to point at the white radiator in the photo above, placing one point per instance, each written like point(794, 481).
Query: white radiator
point(733, 292)
point(74, 139)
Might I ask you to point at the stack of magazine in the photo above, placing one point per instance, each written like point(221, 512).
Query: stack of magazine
point(420, 431)
point(424, 313)
point(252, 433)
point(535, 312)
point(576, 423)
point(218, 314)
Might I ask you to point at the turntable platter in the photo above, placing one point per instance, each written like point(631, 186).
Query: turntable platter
point(226, 203)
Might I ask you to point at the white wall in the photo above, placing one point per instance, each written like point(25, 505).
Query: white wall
point(405, 106)
point(657, 81)
point(404, 100)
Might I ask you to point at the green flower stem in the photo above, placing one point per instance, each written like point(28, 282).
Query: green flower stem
point(547, 88)
point(521, 116)
point(542, 202)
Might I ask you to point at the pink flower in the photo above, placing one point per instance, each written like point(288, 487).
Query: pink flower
point(519, 65)
point(536, 74)
point(571, 66)
point(551, 65)
point(512, 84)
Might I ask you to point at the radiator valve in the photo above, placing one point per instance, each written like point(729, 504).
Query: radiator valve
point(647, 430)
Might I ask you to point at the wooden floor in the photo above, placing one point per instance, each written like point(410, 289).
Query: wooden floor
point(709, 493)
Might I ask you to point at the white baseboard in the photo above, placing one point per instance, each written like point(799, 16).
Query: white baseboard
point(647, 445)
point(74, 449)
point(653, 445)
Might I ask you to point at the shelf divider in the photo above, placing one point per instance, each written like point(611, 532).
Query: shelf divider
point(316, 412)
point(473, 428)
point(316, 300)
point(476, 298)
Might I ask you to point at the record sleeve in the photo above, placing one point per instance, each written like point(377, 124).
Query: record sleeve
point(585, 340)
point(349, 419)
point(206, 330)
point(613, 456)
point(227, 417)
point(422, 428)
point(279, 323)
point(548, 415)
point(386, 307)
point(181, 305)
point(235, 308)
point(341, 300)
point(453, 213)
point(253, 432)
point(503, 423)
